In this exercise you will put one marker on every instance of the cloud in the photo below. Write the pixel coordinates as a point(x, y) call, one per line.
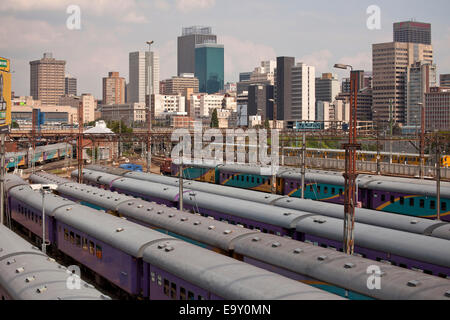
point(319, 59)
point(168, 59)
point(243, 55)
point(359, 61)
point(124, 10)
point(190, 5)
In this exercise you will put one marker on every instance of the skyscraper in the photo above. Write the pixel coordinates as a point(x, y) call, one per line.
point(47, 82)
point(191, 37)
point(143, 76)
point(412, 32)
point(113, 89)
point(283, 87)
point(303, 107)
point(390, 63)
point(327, 87)
point(70, 85)
point(420, 77)
point(260, 101)
point(209, 67)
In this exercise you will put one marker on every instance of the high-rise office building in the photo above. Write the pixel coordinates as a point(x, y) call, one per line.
point(437, 109)
point(303, 107)
point(390, 63)
point(113, 89)
point(70, 85)
point(283, 87)
point(244, 76)
point(444, 80)
point(191, 37)
point(327, 87)
point(178, 85)
point(412, 32)
point(420, 77)
point(47, 79)
point(209, 67)
point(143, 76)
point(260, 101)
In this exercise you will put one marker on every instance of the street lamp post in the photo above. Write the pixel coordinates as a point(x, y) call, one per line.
point(44, 189)
point(422, 141)
point(350, 164)
point(149, 114)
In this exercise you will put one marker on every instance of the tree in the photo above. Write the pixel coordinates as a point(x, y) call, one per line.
point(267, 124)
point(14, 125)
point(214, 119)
point(117, 127)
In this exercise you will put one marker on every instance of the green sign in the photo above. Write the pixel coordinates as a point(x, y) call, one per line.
point(3, 63)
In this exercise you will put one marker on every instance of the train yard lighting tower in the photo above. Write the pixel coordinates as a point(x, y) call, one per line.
point(149, 115)
point(80, 143)
point(44, 189)
point(350, 164)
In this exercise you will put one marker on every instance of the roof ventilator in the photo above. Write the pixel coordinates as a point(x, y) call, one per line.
point(298, 251)
point(322, 258)
point(413, 283)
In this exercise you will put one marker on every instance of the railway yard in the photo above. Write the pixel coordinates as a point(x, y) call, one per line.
point(232, 232)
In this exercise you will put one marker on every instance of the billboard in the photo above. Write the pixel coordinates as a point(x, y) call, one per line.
point(5, 95)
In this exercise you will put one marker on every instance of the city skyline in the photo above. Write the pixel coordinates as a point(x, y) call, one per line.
point(111, 32)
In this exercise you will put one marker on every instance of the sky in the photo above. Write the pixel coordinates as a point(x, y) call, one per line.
point(320, 33)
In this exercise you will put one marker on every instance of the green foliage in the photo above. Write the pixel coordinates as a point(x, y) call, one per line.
point(117, 127)
point(14, 125)
point(214, 119)
point(267, 124)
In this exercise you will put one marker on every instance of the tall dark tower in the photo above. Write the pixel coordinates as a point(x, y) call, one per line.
point(284, 87)
point(191, 37)
point(412, 32)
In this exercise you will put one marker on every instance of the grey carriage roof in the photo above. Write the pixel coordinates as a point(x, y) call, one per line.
point(226, 277)
point(276, 250)
point(24, 271)
point(413, 246)
point(119, 233)
point(12, 180)
point(372, 217)
point(342, 270)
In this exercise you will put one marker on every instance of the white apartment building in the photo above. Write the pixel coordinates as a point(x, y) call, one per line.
point(265, 72)
point(201, 104)
point(303, 93)
point(163, 104)
point(338, 111)
point(143, 75)
point(129, 113)
point(88, 102)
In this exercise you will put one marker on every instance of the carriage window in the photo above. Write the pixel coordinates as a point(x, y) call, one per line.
point(191, 296)
point(383, 197)
point(318, 189)
point(78, 240)
point(402, 200)
point(91, 248)
point(200, 298)
point(72, 238)
point(99, 252)
point(444, 206)
point(310, 188)
point(392, 199)
point(66, 234)
point(269, 182)
point(166, 287)
point(411, 202)
point(85, 244)
point(333, 190)
point(182, 293)
point(248, 179)
point(341, 192)
point(422, 203)
point(258, 181)
point(432, 204)
point(292, 185)
point(173, 291)
point(40, 221)
point(298, 185)
point(253, 179)
point(325, 190)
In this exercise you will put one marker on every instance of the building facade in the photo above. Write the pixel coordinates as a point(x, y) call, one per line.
point(178, 85)
point(444, 80)
point(390, 64)
point(261, 101)
point(437, 109)
point(113, 89)
point(191, 37)
point(412, 32)
point(47, 79)
point(143, 76)
point(164, 104)
point(303, 107)
point(130, 113)
point(70, 85)
point(283, 88)
point(420, 77)
point(209, 67)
